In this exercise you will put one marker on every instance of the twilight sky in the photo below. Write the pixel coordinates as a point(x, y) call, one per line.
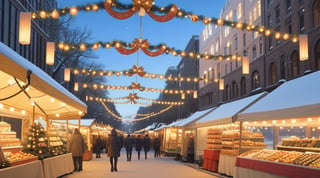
point(174, 33)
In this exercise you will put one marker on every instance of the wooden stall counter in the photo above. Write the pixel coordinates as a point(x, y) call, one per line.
point(31, 169)
point(58, 165)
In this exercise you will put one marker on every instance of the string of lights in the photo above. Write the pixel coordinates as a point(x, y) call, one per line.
point(170, 11)
point(136, 86)
point(131, 72)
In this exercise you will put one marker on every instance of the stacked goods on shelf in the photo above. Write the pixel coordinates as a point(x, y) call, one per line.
point(214, 139)
point(290, 157)
point(20, 158)
point(57, 144)
point(230, 142)
point(8, 138)
point(252, 139)
point(294, 141)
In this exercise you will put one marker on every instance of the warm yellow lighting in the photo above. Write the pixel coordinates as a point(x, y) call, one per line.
point(55, 14)
point(23, 112)
point(63, 104)
point(303, 47)
point(57, 115)
point(1, 106)
point(220, 22)
point(43, 14)
point(76, 86)
point(67, 75)
point(195, 94)
point(309, 119)
point(52, 100)
point(11, 109)
point(25, 28)
point(245, 65)
point(221, 84)
point(50, 53)
point(73, 11)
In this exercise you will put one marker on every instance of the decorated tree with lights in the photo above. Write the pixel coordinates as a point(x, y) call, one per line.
point(36, 142)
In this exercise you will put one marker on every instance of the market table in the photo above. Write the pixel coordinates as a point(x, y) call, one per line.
point(58, 165)
point(31, 169)
point(211, 159)
point(227, 164)
point(252, 168)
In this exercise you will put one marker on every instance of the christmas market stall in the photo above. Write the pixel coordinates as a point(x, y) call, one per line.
point(189, 132)
point(218, 135)
point(28, 94)
point(289, 119)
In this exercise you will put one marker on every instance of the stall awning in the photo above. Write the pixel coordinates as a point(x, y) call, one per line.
point(294, 99)
point(225, 112)
point(53, 100)
point(195, 116)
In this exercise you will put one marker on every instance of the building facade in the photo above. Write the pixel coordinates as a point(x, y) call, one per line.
point(224, 40)
point(188, 67)
point(9, 31)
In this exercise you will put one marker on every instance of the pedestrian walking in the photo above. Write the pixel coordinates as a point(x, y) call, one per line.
point(138, 145)
point(77, 148)
point(146, 145)
point(113, 146)
point(190, 150)
point(98, 145)
point(156, 146)
point(128, 144)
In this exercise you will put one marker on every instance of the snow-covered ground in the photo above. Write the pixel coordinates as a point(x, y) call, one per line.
point(163, 167)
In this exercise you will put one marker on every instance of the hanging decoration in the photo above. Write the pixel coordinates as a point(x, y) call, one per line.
point(135, 70)
point(245, 65)
point(303, 47)
point(67, 75)
point(25, 28)
point(150, 50)
point(133, 98)
point(170, 11)
point(136, 86)
point(50, 53)
point(221, 84)
point(137, 119)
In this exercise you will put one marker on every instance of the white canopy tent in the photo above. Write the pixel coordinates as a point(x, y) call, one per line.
point(42, 98)
point(224, 113)
point(294, 99)
point(195, 116)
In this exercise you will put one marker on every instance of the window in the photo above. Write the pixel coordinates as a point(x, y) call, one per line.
point(254, 53)
point(227, 93)
point(270, 43)
point(283, 67)
point(289, 7)
point(236, 43)
point(273, 73)
point(244, 39)
point(225, 69)
point(269, 21)
point(269, 2)
point(225, 51)
point(316, 13)
point(294, 64)
point(255, 80)
point(231, 66)
point(301, 20)
point(243, 86)
point(278, 14)
point(234, 89)
point(245, 53)
point(260, 47)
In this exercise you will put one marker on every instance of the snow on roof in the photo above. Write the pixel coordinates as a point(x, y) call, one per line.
point(194, 117)
point(296, 98)
point(224, 113)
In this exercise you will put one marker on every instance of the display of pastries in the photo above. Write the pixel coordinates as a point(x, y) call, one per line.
point(12, 157)
point(8, 137)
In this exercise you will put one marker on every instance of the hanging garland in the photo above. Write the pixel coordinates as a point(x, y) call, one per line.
point(133, 99)
point(136, 70)
point(136, 86)
point(150, 50)
point(137, 119)
point(170, 11)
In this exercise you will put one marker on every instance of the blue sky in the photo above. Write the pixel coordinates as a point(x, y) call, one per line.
point(175, 33)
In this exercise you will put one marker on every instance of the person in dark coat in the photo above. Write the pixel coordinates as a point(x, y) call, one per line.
point(146, 145)
point(113, 146)
point(156, 146)
point(98, 145)
point(128, 144)
point(77, 148)
point(138, 145)
point(190, 149)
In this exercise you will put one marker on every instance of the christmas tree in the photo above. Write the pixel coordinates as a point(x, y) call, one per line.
point(36, 142)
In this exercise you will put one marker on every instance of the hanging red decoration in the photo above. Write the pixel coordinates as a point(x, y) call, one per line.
point(115, 14)
point(164, 18)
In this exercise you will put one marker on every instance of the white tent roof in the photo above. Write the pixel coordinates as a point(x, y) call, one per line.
point(294, 99)
point(49, 95)
point(194, 117)
point(225, 112)
point(175, 123)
